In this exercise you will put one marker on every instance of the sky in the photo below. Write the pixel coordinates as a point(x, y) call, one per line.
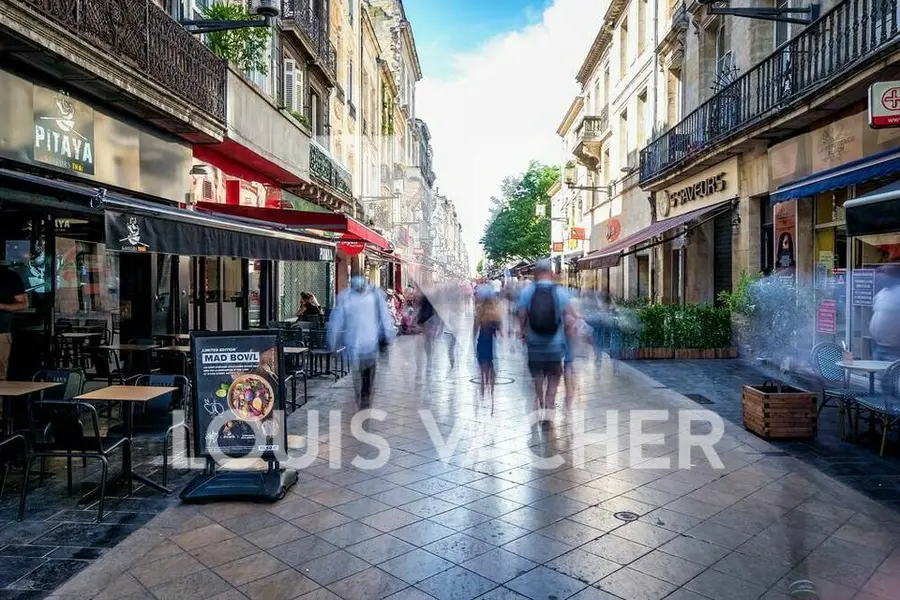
point(499, 76)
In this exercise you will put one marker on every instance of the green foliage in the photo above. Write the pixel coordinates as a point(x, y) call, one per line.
point(299, 116)
point(479, 268)
point(739, 301)
point(514, 232)
point(693, 326)
point(246, 47)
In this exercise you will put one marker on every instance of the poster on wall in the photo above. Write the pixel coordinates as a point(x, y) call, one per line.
point(786, 239)
point(826, 317)
point(863, 290)
point(63, 131)
point(238, 395)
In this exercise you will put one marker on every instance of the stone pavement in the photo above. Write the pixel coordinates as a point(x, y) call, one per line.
point(489, 522)
point(854, 464)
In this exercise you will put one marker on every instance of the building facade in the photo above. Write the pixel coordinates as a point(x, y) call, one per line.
point(771, 162)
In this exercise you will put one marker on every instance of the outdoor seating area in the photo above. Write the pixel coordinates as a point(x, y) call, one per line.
point(83, 418)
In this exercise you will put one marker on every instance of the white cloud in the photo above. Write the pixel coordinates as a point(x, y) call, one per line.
point(501, 106)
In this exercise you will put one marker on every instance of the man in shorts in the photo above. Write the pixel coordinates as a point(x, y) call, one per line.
point(544, 309)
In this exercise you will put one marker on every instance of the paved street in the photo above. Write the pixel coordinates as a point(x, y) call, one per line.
point(488, 523)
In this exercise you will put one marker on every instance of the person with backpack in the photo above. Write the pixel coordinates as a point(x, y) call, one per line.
point(544, 312)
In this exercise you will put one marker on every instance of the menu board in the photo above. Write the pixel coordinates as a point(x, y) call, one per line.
point(826, 317)
point(863, 290)
point(238, 394)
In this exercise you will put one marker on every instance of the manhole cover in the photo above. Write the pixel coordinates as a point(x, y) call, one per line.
point(699, 398)
point(626, 516)
point(497, 381)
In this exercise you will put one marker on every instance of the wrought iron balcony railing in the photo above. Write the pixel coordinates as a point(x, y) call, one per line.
point(140, 34)
point(324, 169)
point(851, 33)
point(315, 30)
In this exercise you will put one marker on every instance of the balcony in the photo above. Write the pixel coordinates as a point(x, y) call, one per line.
point(804, 80)
point(589, 138)
point(128, 53)
point(299, 18)
point(324, 169)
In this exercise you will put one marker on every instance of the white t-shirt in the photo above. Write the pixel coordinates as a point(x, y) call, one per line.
point(885, 323)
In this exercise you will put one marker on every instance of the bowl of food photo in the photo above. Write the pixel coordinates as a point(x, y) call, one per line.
point(251, 397)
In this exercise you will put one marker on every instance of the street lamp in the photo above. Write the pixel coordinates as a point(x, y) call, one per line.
point(267, 9)
point(570, 179)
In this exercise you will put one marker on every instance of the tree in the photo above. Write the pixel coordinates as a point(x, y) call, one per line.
point(246, 47)
point(479, 268)
point(513, 231)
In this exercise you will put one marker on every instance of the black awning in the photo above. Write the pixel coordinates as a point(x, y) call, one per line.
point(137, 225)
point(878, 212)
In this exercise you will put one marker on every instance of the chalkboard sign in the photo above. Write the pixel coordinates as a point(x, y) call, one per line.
point(863, 291)
point(238, 394)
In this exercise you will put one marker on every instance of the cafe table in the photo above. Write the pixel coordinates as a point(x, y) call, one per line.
point(870, 367)
point(19, 389)
point(295, 350)
point(130, 395)
point(182, 349)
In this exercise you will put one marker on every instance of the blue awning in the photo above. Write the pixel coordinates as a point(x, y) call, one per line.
point(877, 212)
point(858, 171)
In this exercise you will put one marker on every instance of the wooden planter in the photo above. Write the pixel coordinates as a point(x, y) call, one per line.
point(775, 410)
point(678, 353)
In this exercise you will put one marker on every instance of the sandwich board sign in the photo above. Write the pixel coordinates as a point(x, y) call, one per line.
point(884, 104)
point(238, 415)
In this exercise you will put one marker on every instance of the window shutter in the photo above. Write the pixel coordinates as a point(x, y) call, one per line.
point(299, 95)
point(290, 84)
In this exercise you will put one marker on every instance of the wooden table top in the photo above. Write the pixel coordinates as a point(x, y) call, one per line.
point(295, 350)
point(21, 388)
point(126, 393)
point(870, 366)
point(184, 349)
point(129, 347)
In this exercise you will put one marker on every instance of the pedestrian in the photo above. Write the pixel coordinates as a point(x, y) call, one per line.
point(487, 326)
point(362, 325)
point(310, 309)
point(544, 311)
point(13, 299)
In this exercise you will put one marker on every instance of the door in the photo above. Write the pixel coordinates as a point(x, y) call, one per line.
point(721, 254)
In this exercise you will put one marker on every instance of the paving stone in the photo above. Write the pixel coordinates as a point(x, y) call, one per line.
point(348, 534)
point(616, 549)
point(499, 565)
point(714, 584)
point(697, 551)
point(371, 584)
point(460, 518)
point(537, 548)
point(583, 566)
point(415, 566)
point(275, 536)
point(320, 521)
point(379, 549)
point(542, 583)
point(456, 583)
point(201, 584)
point(302, 550)
point(458, 547)
point(327, 569)
point(251, 568)
point(422, 532)
point(667, 567)
point(634, 585)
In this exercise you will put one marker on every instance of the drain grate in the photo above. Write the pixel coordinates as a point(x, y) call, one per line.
point(626, 516)
point(699, 398)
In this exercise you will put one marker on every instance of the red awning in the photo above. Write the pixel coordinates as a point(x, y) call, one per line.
point(301, 219)
point(609, 256)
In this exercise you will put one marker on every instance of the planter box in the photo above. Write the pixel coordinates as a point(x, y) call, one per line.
point(780, 411)
point(678, 353)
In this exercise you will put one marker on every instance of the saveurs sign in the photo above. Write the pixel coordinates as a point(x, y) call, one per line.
point(712, 186)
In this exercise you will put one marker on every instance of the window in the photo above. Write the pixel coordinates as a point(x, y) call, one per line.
point(724, 56)
point(673, 96)
point(606, 86)
point(623, 138)
point(642, 25)
point(598, 99)
point(314, 119)
point(350, 81)
point(782, 29)
point(293, 95)
point(623, 46)
point(350, 12)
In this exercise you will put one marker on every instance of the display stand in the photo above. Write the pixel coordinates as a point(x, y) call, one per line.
point(238, 411)
point(258, 486)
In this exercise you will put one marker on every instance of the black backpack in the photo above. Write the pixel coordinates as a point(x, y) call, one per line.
point(543, 317)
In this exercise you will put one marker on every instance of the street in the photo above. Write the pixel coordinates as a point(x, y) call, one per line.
point(484, 515)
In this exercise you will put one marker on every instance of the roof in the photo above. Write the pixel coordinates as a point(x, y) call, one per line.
point(571, 115)
point(601, 42)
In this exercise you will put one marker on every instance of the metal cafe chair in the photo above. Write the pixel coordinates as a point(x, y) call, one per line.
point(65, 435)
point(296, 365)
point(72, 381)
point(10, 448)
point(884, 407)
point(319, 352)
point(824, 358)
point(156, 417)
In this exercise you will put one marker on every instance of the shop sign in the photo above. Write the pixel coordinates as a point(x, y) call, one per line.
point(573, 244)
point(351, 246)
point(826, 317)
point(325, 254)
point(238, 400)
point(710, 187)
point(63, 131)
point(129, 234)
point(862, 293)
point(557, 247)
point(884, 104)
point(613, 229)
point(577, 233)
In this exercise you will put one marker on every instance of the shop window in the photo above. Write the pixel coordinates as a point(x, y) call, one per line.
point(767, 238)
point(830, 260)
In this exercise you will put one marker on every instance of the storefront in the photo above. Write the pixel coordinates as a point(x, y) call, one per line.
point(836, 225)
point(93, 226)
point(687, 252)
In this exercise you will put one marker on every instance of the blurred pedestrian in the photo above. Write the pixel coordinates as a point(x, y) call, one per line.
point(362, 325)
point(486, 328)
point(543, 311)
